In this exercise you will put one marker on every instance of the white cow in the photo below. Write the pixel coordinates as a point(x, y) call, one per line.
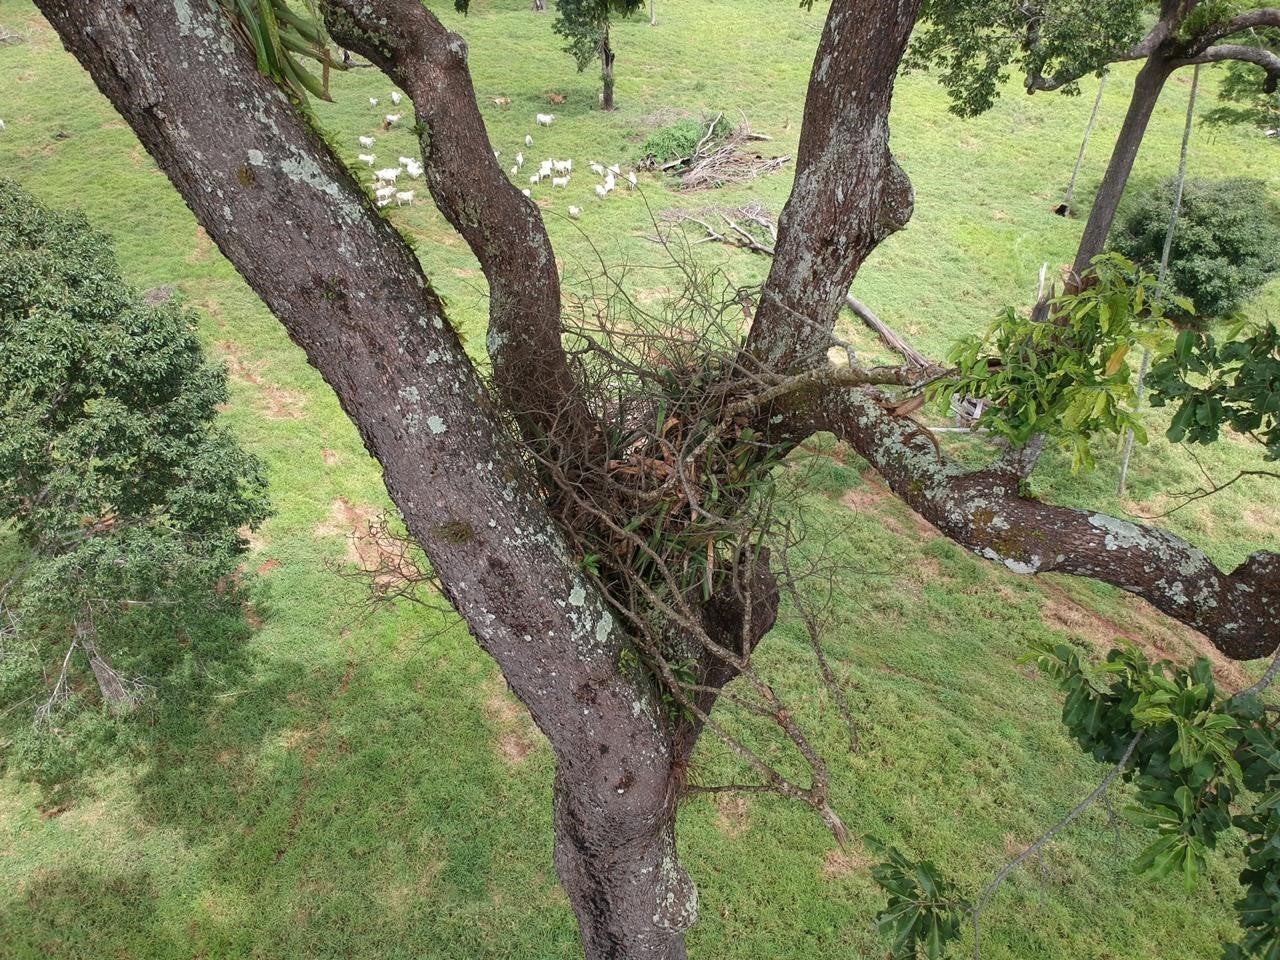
point(395, 97)
point(368, 158)
point(373, 102)
point(545, 119)
point(391, 119)
point(404, 196)
point(559, 181)
point(528, 140)
point(367, 141)
point(575, 213)
point(388, 174)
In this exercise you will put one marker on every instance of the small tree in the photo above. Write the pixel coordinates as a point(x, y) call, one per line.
point(585, 24)
point(1226, 247)
point(1242, 101)
point(1055, 43)
point(125, 493)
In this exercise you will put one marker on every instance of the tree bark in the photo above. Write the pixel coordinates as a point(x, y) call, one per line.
point(1146, 93)
point(849, 192)
point(606, 71)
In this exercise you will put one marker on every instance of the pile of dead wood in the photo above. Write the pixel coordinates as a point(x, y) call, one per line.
point(721, 159)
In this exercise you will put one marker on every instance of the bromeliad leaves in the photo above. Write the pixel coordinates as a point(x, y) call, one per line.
point(282, 38)
point(1066, 375)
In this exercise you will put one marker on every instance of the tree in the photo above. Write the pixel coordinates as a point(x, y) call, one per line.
point(585, 24)
point(581, 538)
point(1055, 43)
point(1226, 247)
point(125, 492)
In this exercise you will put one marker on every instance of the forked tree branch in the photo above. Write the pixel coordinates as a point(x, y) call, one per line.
point(503, 228)
point(263, 184)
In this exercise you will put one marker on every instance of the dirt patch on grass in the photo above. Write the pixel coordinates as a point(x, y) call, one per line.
point(202, 246)
point(840, 863)
point(330, 457)
point(516, 735)
point(369, 546)
point(281, 404)
point(733, 814)
point(1263, 520)
point(268, 566)
point(873, 497)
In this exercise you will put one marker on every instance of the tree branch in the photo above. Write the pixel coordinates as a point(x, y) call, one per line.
point(503, 228)
point(1261, 56)
point(849, 193)
point(984, 511)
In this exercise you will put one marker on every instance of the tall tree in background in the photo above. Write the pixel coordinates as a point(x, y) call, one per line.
point(1055, 43)
point(585, 24)
point(606, 547)
point(126, 494)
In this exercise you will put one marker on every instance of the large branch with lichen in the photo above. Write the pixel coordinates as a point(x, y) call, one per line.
point(849, 192)
point(987, 512)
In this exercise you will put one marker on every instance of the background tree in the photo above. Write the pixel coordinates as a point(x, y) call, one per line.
point(604, 546)
point(126, 494)
point(1241, 100)
point(1055, 43)
point(585, 24)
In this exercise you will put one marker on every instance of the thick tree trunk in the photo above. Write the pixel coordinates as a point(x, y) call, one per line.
point(1146, 92)
point(606, 72)
point(632, 898)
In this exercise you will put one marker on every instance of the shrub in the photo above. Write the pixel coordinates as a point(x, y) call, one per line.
point(677, 140)
point(1225, 247)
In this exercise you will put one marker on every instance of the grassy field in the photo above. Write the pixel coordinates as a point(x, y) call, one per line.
point(363, 787)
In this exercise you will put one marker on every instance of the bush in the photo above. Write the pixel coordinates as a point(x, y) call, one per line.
point(1225, 247)
point(677, 140)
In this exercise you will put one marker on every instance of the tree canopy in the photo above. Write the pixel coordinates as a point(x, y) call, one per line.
point(128, 495)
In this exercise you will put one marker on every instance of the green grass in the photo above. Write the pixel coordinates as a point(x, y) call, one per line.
point(347, 795)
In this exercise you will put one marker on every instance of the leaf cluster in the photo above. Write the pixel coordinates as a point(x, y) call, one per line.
point(1235, 381)
point(1066, 375)
point(972, 46)
point(1205, 763)
point(923, 913)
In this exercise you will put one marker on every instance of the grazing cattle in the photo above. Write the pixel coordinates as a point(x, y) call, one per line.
point(559, 181)
point(528, 140)
point(545, 119)
point(373, 102)
point(404, 196)
point(388, 174)
point(367, 141)
point(391, 119)
point(368, 158)
point(395, 98)
point(575, 213)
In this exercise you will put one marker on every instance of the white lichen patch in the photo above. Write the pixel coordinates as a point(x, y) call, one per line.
point(435, 425)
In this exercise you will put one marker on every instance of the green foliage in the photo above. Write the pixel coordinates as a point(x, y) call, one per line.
point(1203, 764)
point(677, 140)
point(126, 494)
point(585, 25)
point(1236, 382)
point(1225, 248)
point(1066, 376)
point(972, 45)
point(1241, 98)
point(281, 38)
point(924, 913)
